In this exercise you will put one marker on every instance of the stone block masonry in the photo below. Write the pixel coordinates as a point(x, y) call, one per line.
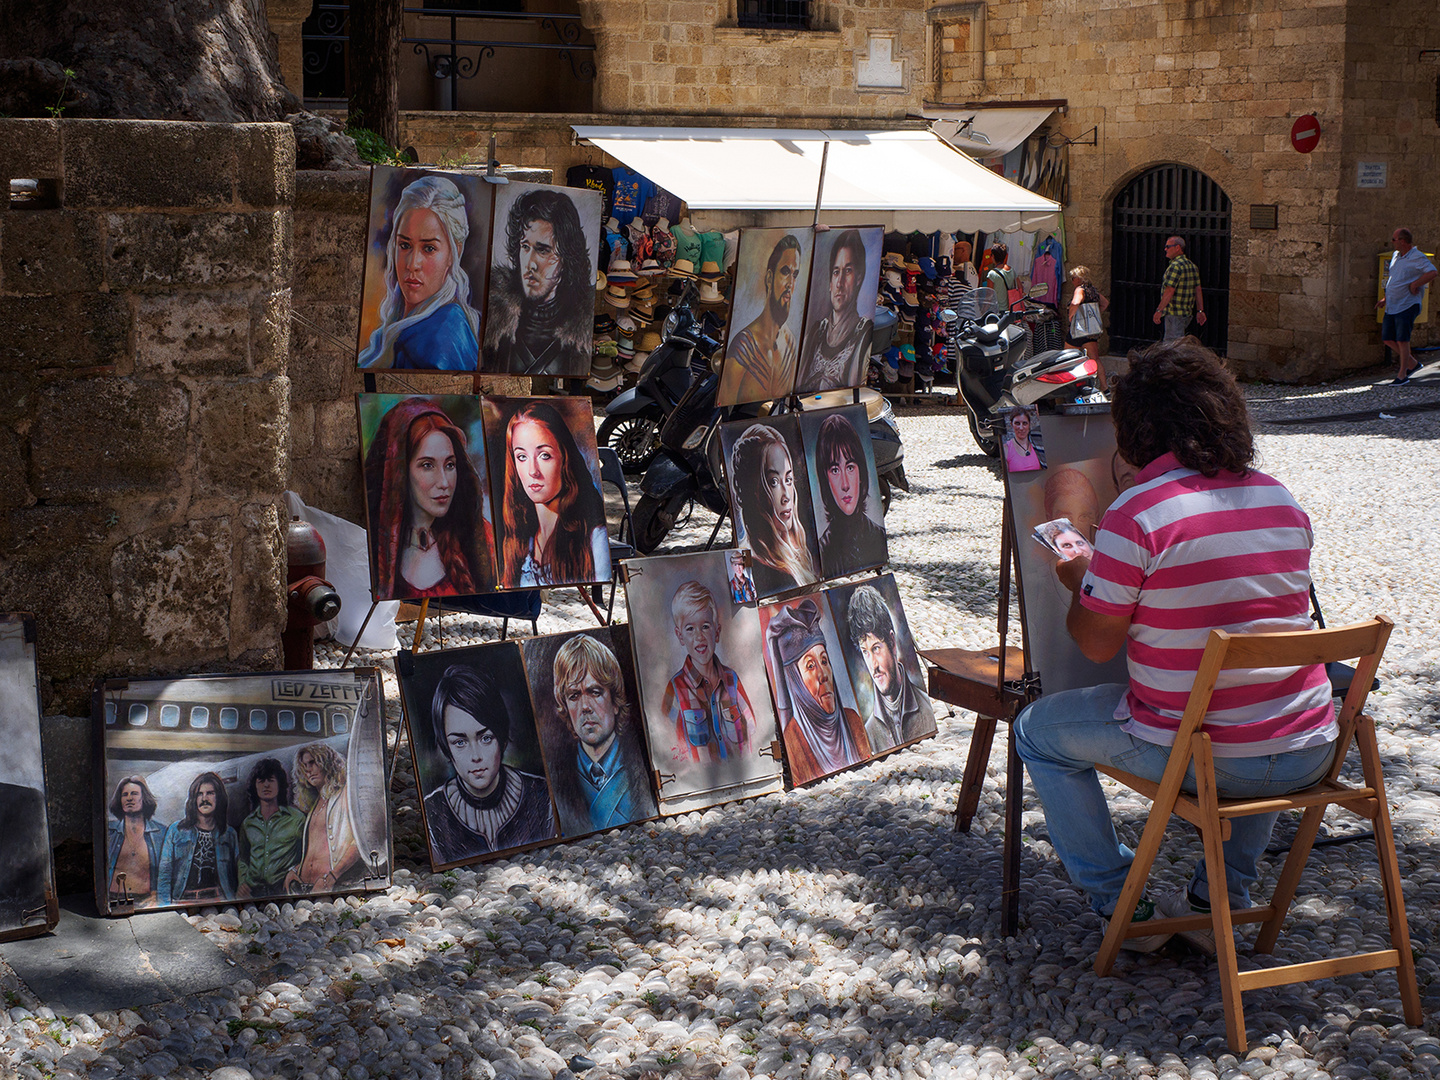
point(144, 395)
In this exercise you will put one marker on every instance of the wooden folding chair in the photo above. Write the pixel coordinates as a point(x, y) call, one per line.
point(1211, 815)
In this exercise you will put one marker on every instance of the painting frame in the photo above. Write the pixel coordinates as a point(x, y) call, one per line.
point(767, 313)
point(853, 540)
point(840, 304)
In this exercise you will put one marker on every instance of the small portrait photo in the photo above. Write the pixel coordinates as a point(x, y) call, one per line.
point(1063, 538)
point(425, 255)
point(767, 314)
point(1022, 444)
point(546, 247)
point(770, 497)
point(882, 663)
point(545, 491)
point(427, 503)
point(708, 717)
point(28, 904)
point(582, 686)
point(840, 311)
point(476, 752)
point(845, 490)
point(814, 700)
point(742, 585)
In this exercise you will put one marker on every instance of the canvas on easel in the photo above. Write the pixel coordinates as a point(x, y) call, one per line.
point(1083, 475)
point(28, 903)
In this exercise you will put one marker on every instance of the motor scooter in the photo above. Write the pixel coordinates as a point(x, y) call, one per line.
point(994, 372)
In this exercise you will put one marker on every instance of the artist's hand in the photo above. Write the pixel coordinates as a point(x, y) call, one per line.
point(1415, 288)
point(1072, 573)
point(1380, 303)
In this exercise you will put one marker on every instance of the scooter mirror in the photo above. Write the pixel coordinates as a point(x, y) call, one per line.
point(717, 360)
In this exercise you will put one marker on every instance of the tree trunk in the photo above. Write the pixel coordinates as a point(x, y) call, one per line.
point(373, 67)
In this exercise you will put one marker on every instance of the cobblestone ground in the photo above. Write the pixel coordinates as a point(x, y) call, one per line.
point(846, 930)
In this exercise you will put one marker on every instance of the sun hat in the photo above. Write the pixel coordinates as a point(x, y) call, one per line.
point(617, 297)
point(710, 271)
point(651, 268)
point(683, 268)
point(620, 272)
point(710, 293)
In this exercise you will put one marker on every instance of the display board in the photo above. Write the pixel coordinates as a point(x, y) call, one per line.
point(211, 789)
point(28, 904)
point(845, 490)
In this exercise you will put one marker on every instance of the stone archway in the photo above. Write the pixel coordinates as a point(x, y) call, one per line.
point(1167, 200)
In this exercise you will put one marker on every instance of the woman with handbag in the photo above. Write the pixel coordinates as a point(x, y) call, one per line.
point(1002, 279)
point(1085, 307)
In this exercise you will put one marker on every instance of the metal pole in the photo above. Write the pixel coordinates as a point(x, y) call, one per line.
point(820, 188)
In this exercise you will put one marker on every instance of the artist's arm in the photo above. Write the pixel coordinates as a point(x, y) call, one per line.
point(1099, 636)
point(1199, 305)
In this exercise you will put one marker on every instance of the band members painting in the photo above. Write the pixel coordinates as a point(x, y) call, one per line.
point(330, 857)
point(840, 315)
point(199, 859)
point(546, 479)
point(487, 806)
point(882, 663)
point(133, 841)
point(428, 534)
point(771, 494)
point(272, 832)
point(542, 289)
point(771, 271)
point(598, 771)
point(427, 315)
point(841, 464)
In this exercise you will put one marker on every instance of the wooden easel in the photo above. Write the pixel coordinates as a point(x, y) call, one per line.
point(977, 681)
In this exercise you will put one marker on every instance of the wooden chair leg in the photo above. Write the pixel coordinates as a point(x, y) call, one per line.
point(1221, 925)
point(1284, 894)
point(973, 779)
point(1390, 872)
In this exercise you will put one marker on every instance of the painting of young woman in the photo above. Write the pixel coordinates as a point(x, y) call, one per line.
point(425, 264)
point(545, 483)
point(845, 489)
point(428, 511)
point(476, 753)
point(814, 701)
point(770, 499)
point(582, 686)
point(707, 711)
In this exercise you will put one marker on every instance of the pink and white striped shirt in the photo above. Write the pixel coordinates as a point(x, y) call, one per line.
point(1181, 554)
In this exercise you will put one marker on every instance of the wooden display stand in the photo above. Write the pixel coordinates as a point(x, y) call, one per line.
point(978, 681)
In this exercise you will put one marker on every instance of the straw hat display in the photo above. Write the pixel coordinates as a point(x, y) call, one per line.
point(620, 272)
point(683, 268)
point(710, 292)
point(617, 297)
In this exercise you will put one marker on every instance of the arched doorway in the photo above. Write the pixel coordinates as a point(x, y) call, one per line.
point(1168, 200)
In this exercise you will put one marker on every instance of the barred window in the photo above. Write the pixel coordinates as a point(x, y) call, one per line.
point(773, 14)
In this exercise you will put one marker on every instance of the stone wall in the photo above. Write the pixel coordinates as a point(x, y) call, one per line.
point(144, 411)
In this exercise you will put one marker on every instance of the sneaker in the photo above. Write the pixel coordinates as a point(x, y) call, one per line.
point(1400, 382)
point(1144, 912)
point(1184, 902)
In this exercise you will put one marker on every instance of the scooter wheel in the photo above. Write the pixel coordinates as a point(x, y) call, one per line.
point(653, 519)
point(634, 438)
point(983, 439)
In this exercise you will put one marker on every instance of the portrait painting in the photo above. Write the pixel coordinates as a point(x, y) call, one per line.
point(822, 730)
point(546, 245)
point(426, 244)
point(220, 789)
point(549, 514)
point(476, 752)
point(1063, 539)
point(880, 658)
point(1022, 444)
point(28, 901)
point(770, 502)
point(1083, 476)
point(840, 309)
point(767, 314)
point(582, 687)
point(845, 490)
point(708, 718)
point(426, 497)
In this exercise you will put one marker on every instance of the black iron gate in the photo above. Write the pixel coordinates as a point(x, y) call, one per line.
point(1169, 200)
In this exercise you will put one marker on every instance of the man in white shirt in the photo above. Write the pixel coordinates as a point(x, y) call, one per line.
point(1408, 274)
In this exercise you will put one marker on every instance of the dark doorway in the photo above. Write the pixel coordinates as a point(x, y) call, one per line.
point(1169, 200)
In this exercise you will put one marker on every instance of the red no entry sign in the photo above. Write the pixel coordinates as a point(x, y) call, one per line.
point(1305, 133)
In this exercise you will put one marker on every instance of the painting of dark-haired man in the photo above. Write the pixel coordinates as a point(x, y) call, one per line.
point(879, 646)
point(133, 840)
point(597, 765)
point(840, 314)
point(542, 284)
point(273, 832)
point(199, 861)
point(772, 266)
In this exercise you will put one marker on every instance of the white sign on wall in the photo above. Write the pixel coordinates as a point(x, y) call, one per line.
point(878, 69)
point(1370, 174)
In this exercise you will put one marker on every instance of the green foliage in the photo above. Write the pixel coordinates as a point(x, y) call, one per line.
point(58, 109)
point(372, 148)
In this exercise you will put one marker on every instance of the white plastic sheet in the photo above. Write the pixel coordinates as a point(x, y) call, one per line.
point(347, 567)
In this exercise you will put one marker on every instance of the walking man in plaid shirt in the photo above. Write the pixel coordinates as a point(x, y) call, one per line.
point(1181, 299)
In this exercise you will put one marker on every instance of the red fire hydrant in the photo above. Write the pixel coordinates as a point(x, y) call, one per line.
point(312, 599)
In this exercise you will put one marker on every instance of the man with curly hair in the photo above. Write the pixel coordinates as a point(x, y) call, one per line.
point(1201, 541)
point(540, 318)
point(330, 857)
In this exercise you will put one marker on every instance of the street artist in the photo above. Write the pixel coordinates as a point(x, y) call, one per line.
point(1201, 541)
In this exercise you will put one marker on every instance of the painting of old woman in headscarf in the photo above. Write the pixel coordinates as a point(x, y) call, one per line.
point(428, 509)
point(424, 270)
point(546, 247)
point(814, 701)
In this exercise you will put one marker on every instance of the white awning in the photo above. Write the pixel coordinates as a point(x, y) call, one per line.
point(992, 131)
point(902, 179)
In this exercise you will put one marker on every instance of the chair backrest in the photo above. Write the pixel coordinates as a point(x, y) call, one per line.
point(613, 473)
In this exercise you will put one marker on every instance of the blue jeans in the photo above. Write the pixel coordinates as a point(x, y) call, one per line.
point(1061, 737)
